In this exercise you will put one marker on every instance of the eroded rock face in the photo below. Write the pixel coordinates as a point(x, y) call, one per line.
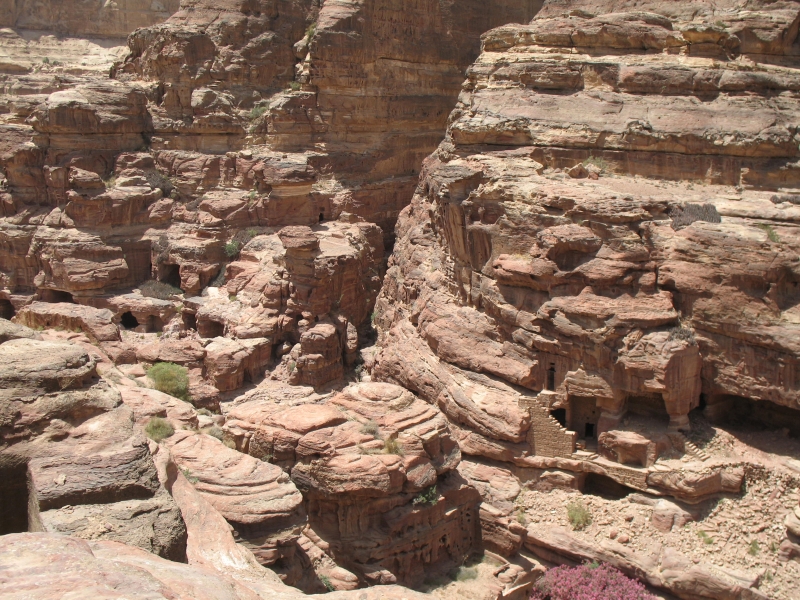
point(72, 458)
point(376, 466)
point(603, 243)
point(50, 566)
point(584, 291)
point(102, 20)
point(256, 498)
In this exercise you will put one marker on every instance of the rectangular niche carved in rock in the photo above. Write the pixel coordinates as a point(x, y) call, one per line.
point(17, 511)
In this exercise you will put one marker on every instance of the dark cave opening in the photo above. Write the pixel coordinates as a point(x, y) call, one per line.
point(170, 274)
point(752, 414)
point(189, 320)
point(14, 498)
point(560, 415)
point(154, 324)
point(128, 321)
point(7, 310)
point(551, 378)
point(210, 329)
point(56, 296)
point(605, 487)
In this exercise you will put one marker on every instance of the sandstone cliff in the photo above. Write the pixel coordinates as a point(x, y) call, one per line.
point(591, 254)
point(591, 295)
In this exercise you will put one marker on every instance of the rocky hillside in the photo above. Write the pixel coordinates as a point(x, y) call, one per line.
point(268, 311)
point(604, 245)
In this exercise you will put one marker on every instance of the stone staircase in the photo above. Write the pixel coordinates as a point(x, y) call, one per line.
point(681, 442)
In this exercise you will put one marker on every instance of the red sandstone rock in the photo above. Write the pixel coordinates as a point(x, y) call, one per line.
point(97, 324)
point(257, 498)
point(627, 447)
point(368, 451)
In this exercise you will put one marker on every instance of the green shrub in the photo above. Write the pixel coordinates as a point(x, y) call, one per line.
point(171, 379)
point(294, 86)
point(204, 411)
point(771, 235)
point(214, 431)
point(579, 516)
point(257, 112)
point(708, 540)
point(682, 333)
point(429, 496)
point(466, 573)
point(158, 429)
point(189, 477)
point(754, 548)
point(598, 162)
point(232, 249)
point(159, 289)
point(311, 30)
point(327, 583)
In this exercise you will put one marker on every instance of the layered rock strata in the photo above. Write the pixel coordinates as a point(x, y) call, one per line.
point(72, 460)
point(591, 254)
point(221, 123)
point(376, 466)
point(585, 291)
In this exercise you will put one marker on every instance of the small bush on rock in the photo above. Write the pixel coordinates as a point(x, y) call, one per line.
point(158, 429)
point(326, 581)
point(588, 582)
point(771, 235)
point(371, 428)
point(258, 111)
point(466, 574)
point(684, 334)
point(171, 379)
point(159, 289)
point(579, 516)
point(214, 431)
point(429, 496)
point(232, 249)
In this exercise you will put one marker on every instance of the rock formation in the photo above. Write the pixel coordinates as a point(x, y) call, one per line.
point(586, 296)
point(72, 460)
point(590, 254)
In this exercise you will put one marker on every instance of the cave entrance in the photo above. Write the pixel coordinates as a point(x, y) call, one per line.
point(752, 415)
point(605, 487)
point(128, 321)
point(210, 329)
point(650, 406)
point(170, 274)
point(189, 320)
point(7, 310)
point(560, 415)
point(55, 296)
point(583, 416)
point(14, 498)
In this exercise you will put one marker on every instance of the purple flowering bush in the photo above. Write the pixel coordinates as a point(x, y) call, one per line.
point(588, 582)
